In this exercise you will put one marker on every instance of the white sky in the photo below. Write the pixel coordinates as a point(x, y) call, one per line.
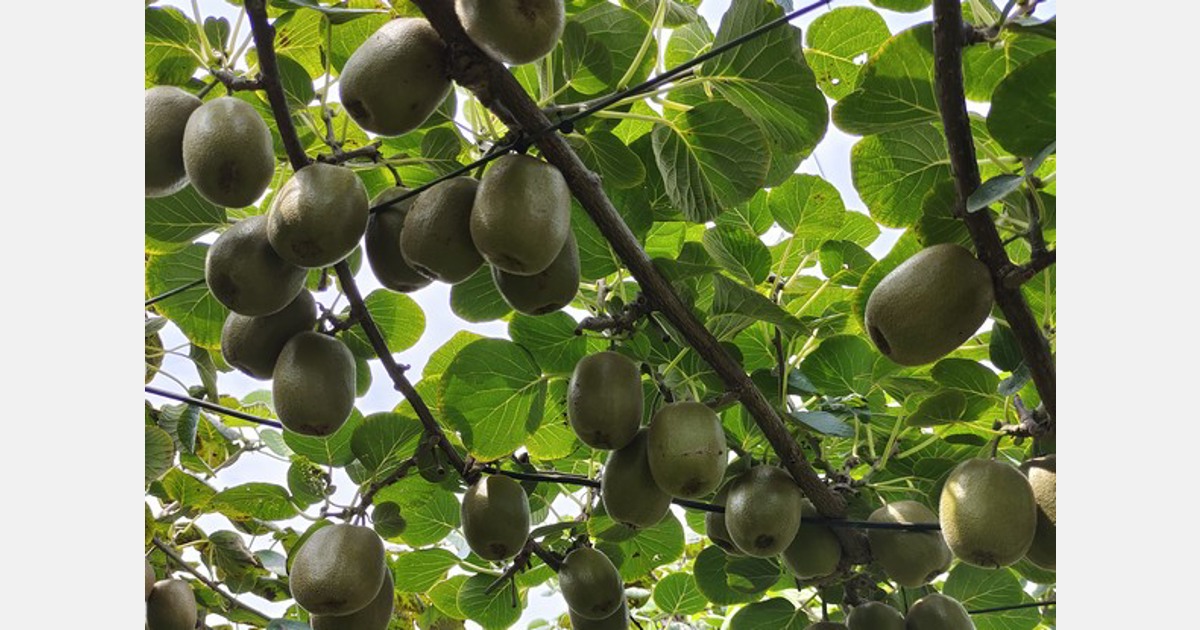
point(831, 159)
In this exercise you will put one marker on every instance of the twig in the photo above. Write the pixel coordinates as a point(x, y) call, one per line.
point(234, 83)
point(264, 36)
point(948, 43)
point(551, 559)
point(371, 152)
point(178, 559)
point(1016, 276)
point(623, 322)
point(519, 563)
point(225, 411)
point(369, 495)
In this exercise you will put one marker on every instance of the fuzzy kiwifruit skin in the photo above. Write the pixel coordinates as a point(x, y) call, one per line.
point(313, 384)
point(619, 620)
point(826, 625)
point(167, 111)
point(604, 400)
point(546, 291)
point(815, 551)
point(171, 606)
point(929, 305)
point(988, 513)
point(522, 214)
point(910, 558)
point(382, 243)
point(630, 495)
point(938, 612)
point(252, 344)
point(495, 517)
point(228, 152)
point(762, 511)
point(513, 31)
point(375, 616)
point(436, 240)
point(338, 570)
point(150, 578)
point(246, 274)
point(396, 79)
point(714, 523)
point(875, 616)
point(318, 216)
point(1042, 474)
point(687, 450)
point(590, 584)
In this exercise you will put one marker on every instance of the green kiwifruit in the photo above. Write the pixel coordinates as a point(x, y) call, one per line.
point(382, 243)
point(393, 82)
point(436, 240)
point(338, 570)
point(938, 612)
point(627, 488)
point(313, 384)
point(150, 578)
point(815, 551)
point(687, 449)
point(245, 273)
point(762, 511)
point(171, 606)
point(374, 616)
point(522, 214)
point(619, 620)
point(228, 152)
point(167, 111)
point(495, 517)
point(546, 291)
point(929, 305)
point(604, 400)
point(513, 31)
point(910, 558)
point(714, 523)
point(988, 513)
point(875, 616)
point(1041, 473)
point(590, 584)
point(252, 344)
point(318, 216)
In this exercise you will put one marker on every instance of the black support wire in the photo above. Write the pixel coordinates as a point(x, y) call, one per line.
point(984, 611)
point(644, 87)
point(225, 411)
point(176, 291)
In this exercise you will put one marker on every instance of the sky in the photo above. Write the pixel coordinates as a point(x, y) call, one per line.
point(831, 160)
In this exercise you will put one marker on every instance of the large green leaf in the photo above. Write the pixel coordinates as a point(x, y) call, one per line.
point(768, 79)
point(170, 42)
point(651, 548)
point(431, 510)
point(551, 339)
point(417, 571)
point(331, 450)
point(776, 613)
point(496, 392)
point(836, 39)
point(160, 453)
point(605, 154)
point(711, 157)
point(807, 206)
point(842, 365)
point(444, 596)
point(384, 440)
point(677, 594)
point(600, 44)
point(903, 6)
point(174, 221)
point(399, 318)
point(740, 252)
point(554, 438)
point(896, 88)
point(984, 66)
point(977, 589)
point(1023, 106)
point(441, 358)
point(197, 313)
point(264, 501)
point(493, 611)
point(893, 172)
point(476, 299)
point(735, 307)
point(726, 580)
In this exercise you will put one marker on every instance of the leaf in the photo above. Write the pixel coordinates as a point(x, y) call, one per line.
point(742, 253)
point(1022, 115)
point(993, 190)
point(600, 43)
point(841, 365)
point(807, 206)
point(984, 66)
point(476, 299)
point(896, 88)
point(777, 613)
point(551, 339)
point(307, 482)
point(178, 219)
point(197, 313)
point(966, 375)
point(160, 453)
point(297, 86)
point(331, 450)
point(383, 441)
point(768, 79)
point(417, 571)
point(836, 40)
point(726, 580)
point(943, 407)
point(336, 15)
point(170, 47)
point(731, 298)
point(978, 589)
point(893, 171)
point(444, 596)
point(431, 511)
point(605, 154)
point(711, 157)
point(216, 31)
point(185, 489)
point(494, 611)
point(496, 389)
point(651, 548)
point(300, 36)
point(400, 320)
point(554, 438)
point(903, 6)
point(677, 594)
point(388, 521)
point(264, 501)
point(823, 422)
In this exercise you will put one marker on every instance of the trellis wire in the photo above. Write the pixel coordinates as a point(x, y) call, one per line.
point(176, 291)
point(226, 411)
point(644, 87)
